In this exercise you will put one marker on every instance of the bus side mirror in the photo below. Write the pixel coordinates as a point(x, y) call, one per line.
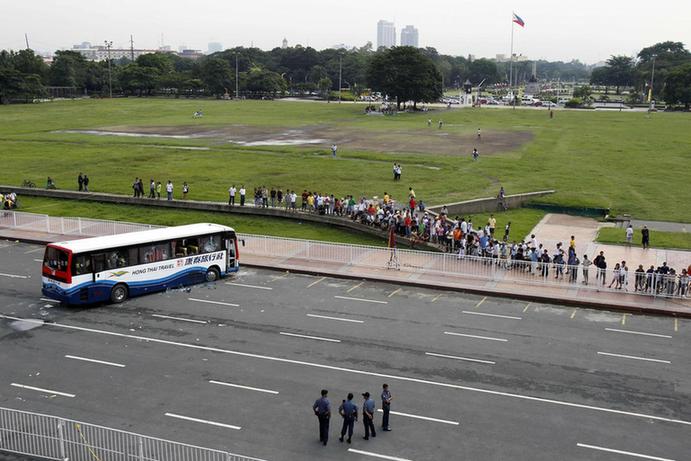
point(243, 242)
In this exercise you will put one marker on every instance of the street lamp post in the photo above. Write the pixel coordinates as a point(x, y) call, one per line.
point(652, 86)
point(109, 43)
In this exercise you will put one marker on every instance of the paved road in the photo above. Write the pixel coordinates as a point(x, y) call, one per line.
point(495, 379)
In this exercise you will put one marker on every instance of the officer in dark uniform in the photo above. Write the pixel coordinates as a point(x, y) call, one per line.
point(348, 410)
point(386, 407)
point(322, 409)
point(368, 416)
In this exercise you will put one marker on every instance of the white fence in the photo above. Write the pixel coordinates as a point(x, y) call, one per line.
point(61, 439)
point(467, 267)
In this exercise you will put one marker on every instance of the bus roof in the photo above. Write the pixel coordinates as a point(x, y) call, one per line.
point(137, 238)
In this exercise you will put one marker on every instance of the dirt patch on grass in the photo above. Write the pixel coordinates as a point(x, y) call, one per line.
point(431, 141)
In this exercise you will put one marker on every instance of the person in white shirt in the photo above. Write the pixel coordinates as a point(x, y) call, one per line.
point(242, 195)
point(629, 234)
point(231, 195)
point(169, 190)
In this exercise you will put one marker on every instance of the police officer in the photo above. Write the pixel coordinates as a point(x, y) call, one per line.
point(368, 416)
point(322, 410)
point(348, 410)
point(386, 407)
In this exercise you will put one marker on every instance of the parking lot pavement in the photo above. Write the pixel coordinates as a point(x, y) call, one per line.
point(484, 377)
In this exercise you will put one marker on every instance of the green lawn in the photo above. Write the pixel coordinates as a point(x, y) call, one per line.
point(658, 239)
point(241, 223)
point(628, 162)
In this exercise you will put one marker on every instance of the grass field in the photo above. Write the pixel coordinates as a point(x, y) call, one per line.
point(628, 162)
point(658, 239)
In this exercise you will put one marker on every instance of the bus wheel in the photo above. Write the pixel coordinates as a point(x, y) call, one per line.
point(119, 293)
point(212, 274)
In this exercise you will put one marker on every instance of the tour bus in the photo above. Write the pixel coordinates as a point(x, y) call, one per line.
point(115, 267)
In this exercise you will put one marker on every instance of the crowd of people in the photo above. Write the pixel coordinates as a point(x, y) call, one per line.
point(8, 200)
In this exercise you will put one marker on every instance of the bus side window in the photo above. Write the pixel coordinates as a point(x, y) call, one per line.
point(133, 256)
point(82, 264)
point(99, 262)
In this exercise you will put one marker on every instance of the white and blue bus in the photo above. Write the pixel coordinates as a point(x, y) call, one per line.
point(115, 267)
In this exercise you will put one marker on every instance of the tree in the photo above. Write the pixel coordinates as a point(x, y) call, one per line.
point(678, 88)
point(406, 74)
point(68, 69)
point(582, 92)
point(265, 82)
point(666, 56)
point(324, 86)
point(11, 81)
point(216, 75)
point(620, 71)
point(483, 69)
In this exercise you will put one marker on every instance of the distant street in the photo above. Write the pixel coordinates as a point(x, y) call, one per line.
point(236, 365)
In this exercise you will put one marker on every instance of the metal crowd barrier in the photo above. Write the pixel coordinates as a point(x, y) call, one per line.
point(62, 439)
point(499, 270)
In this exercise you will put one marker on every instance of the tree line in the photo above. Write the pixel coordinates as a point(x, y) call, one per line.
point(416, 74)
point(672, 73)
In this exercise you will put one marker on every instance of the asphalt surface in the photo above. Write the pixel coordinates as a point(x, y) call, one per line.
point(476, 378)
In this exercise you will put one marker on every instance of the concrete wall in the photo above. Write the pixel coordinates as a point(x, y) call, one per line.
point(344, 223)
point(488, 205)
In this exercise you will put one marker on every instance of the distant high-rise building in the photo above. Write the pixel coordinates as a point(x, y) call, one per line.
point(410, 36)
point(386, 34)
point(214, 47)
point(284, 45)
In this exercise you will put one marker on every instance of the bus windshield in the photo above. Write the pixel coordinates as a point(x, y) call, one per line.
point(56, 263)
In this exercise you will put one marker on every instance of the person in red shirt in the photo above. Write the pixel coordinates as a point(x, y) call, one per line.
point(412, 204)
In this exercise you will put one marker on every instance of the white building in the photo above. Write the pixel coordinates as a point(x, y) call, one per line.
point(386, 34)
point(410, 36)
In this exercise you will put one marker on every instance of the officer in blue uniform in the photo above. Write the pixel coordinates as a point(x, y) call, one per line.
point(386, 407)
point(348, 410)
point(368, 416)
point(322, 409)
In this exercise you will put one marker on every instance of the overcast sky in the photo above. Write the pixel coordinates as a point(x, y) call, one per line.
point(589, 30)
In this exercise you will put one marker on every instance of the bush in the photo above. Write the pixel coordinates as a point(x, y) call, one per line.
point(574, 103)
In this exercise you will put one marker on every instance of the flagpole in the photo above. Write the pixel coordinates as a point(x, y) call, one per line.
point(513, 96)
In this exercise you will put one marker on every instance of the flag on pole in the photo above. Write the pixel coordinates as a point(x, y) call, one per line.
point(517, 19)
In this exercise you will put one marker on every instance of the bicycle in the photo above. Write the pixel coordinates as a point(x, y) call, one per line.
point(28, 183)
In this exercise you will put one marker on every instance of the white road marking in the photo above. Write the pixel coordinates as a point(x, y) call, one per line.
point(13, 276)
point(221, 383)
point(248, 286)
point(354, 287)
point(334, 318)
point(196, 420)
point(633, 357)
point(112, 364)
point(397, 290)
point(637, 333)
point(318, 338)
point(460, 358)
point(47, 391)
point(376, 455)
point(620, 452)
point(362, 299)
point(350, 370)
point(38, 260)
point(475, 336)
point(178, 318)
point(48, 300)
point(315, 282)
point(34, 251)
point(208, 301)
point(6, 246)
point(480, 303)
point(493, 315)
point(426, 418)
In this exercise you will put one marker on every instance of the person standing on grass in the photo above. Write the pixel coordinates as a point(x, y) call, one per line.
point(80, 182)
point(243, 192)
point(334, 148)
point(476, 154)
point(185, 190)
point(479, 136)
point(231, 194)
point(169, 189)
point(135, 185)
point(629, 234)
point(86, 183)
point(152, 188)
point(159, 187)
point(645, 237)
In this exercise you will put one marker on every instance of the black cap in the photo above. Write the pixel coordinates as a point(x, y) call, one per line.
point(366, 395)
